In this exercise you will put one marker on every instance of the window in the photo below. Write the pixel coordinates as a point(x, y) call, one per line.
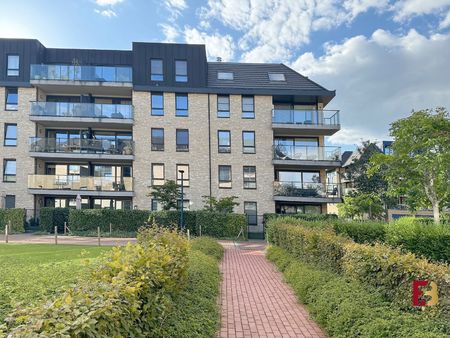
point(248, 142)
point(13, 65)
point(182, 140)
point(156, 70)
point(157, 139)
point(181, 105)
point(156, 205)
point(224, 137)
point(223, 106)
point(185, 169)
point(157, 104)
point(249, 177)
point(224, 176)
point(181, 71)
point(157, 174)
point(225, 76)
point(248, 107)
point(186, 204)
point(12, 99)
point(276, 77)
point(10, 201)
point(251, 212)
point(9, 171)
point(10, 135)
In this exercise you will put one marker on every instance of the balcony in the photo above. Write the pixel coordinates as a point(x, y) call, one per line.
point(101, 80)
point(66, 114)
point(318, 157)
point(307, 192)
point(81, 149)
point(72, 185)
point(309, 122)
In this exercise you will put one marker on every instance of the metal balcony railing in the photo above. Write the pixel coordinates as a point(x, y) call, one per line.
point(306, 153)
point(306, 189)
point(93, 110)
point(307, 117)
point(81, 73)
point(89, 146)
point(76, 182)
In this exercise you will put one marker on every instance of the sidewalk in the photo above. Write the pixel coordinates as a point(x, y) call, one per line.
point(30, 238)
point(255, 302)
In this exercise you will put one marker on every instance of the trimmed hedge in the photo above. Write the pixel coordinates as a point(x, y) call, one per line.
point(121, 220)
point(17, 218)
point(361, 232)
point(51, 217)
point(305, 217)
point(208, 246)
point(389, 270)
point(347, 308)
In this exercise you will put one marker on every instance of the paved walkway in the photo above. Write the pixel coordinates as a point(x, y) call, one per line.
point(255, 302)
point(30, 238)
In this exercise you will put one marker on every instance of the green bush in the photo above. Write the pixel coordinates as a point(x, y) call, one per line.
point(429, 240)
point(121, 220)
point(208, 246)
point(51, 217)
point(305, 217)
point(361, 232)
point(17, 218)
point(347, 308)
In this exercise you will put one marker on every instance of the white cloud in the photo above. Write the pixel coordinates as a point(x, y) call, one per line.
point(380, 79)
point(175, 7)
point(108, 2)
point(216, 45)
point(109, 13)
point(405, 9)
point(445, 22)
point(170, 32)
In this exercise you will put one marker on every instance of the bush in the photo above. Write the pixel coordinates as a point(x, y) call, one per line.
point(361, 232)
point(347, 308)
point(305, 217)
point(51, 217)
point(17, 218)
point(208, 246)
point(121, 220)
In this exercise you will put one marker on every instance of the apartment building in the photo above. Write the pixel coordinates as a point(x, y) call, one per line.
point(108, 125)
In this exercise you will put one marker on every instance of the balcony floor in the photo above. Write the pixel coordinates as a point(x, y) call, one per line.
point(81, 87)
point(83, 122)
point(288, 129)
point(70, 192)
point(307, 163)
point(307, 199)
point(82, 156)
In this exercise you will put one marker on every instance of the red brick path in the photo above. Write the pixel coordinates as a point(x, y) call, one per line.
point(255, 302)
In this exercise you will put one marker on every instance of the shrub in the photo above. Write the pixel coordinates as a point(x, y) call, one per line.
point(208, 246)
point(121, 220)
point(361, 232)
point(51, 217)
point(305, 217)
point(429, 240)
point(15, 216)
point(347, 308)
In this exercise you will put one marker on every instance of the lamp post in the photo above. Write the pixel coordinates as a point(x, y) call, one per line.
point(182, 200)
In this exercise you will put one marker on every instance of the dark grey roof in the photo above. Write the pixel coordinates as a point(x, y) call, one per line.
point(345, 156)
point(255, 75)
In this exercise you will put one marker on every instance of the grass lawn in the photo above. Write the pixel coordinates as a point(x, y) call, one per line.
point(29, 273)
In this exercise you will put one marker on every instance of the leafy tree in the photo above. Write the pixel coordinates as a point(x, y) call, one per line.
point(359, 204)
point(419, 167)
point(167, 194)
point(224, 205)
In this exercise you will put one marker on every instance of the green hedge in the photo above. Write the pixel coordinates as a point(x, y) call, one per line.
point(306, 217)
point(361, 232)
point(208, 246)
point(390, 270)
point(347, 308)
point(17, 218)
point(51, 217)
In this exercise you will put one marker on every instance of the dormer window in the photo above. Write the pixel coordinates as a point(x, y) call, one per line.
point(225, 76)
point(276, 77)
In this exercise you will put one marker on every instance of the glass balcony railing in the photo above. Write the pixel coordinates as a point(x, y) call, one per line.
point(306, 189)
point(76, 182)
point(85, 146)
point(306, 153)
point(81, 73)
point(70, 109)
point(307, 117)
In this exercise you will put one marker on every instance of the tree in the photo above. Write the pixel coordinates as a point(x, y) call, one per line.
point(224, 205)
point(167, 194)
point(359, 204)
point(419, 167)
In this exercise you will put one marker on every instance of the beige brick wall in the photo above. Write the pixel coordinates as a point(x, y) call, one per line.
point(24, 163)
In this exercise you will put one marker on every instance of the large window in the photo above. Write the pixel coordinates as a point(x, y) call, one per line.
point(248, 142)
point(283, 208)
point(10, 201)
point(249, 177)
point(248, 107)
point(182, 139)
point(157, 139)
point(9, 171)
point(157, 173)
point(225, 176)
point(10, 135)
point(13, 65)
point(156, 69)
point(12, 99)
point(181, 105)
point(224, 137)
point(157, 104)
point(297, 148)
point(223, 106)
point(185, 169)
point(251, 212)
point(181, 71)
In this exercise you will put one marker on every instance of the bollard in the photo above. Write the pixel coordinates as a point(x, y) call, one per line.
point(98, 235)
point(56, 235)
point(6, 233)
point(110, 229)
point(65, 227)
point(188, 235)
point(200, 230)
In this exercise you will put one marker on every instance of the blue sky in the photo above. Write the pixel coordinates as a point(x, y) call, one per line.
point(384, 58)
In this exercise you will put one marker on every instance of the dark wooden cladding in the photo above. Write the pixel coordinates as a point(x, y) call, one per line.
point(88, 57)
